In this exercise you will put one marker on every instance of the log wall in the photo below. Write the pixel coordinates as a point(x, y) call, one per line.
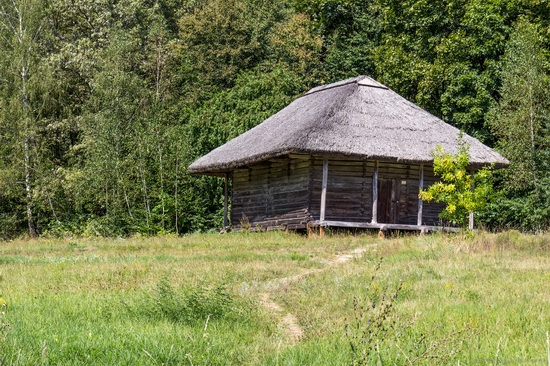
point(349, 191)
point(271, 195)
point(349, 188)
point(286, 193)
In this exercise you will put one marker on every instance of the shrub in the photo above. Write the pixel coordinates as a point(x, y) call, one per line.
point(461, 192)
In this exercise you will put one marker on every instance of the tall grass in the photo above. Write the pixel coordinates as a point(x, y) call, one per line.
point(195, 300)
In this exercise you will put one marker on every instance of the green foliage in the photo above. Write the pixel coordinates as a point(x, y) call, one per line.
point(445, 55)
point(461, 192)
point(350, 31)
point(521, 119)
point(222, 38)
point(530, 212)
point(119, 97)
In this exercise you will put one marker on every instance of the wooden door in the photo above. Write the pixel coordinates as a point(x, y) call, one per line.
point(388, 201)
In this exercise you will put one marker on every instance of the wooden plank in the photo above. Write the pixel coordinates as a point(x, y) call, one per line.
point(366, 225)
point(420, 202)
point(375, 194)
point(299, 156)
point(225, 203)
point(471, 214)
point(324, 190)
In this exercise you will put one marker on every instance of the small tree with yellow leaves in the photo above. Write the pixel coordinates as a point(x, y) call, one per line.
point(460, 191)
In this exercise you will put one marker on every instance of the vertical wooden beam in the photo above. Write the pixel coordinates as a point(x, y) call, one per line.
point(471, 216)
point(375, 194)
point(225, 200)
point(420, 202)
point(323, 197)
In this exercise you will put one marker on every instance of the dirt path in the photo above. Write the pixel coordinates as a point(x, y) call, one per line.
point(288, 321)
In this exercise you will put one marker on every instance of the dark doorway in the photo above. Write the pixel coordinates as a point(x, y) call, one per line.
point(388, 201)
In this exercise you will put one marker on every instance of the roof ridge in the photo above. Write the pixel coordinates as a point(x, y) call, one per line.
point(361, 80)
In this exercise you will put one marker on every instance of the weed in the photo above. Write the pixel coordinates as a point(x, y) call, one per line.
point(245, 224)
point(377, 332)
point(188, 306)
point(373, 320)
point(441, 350)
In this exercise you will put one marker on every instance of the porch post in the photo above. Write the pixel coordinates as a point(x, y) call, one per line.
point(420, 202)
point(375, 194)
point(471, 216)
point(323, 197)
point(225, 200)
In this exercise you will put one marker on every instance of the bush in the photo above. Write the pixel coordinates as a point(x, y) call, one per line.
point(461, 192)
point(529, 212)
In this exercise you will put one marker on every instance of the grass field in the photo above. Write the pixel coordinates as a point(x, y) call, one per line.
point(233, 300)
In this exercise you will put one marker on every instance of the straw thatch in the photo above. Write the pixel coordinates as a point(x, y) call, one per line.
point(357, 118)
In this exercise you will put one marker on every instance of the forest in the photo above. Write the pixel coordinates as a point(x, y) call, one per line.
point(105, 103)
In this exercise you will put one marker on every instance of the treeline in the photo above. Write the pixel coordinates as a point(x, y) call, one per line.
point(104, 103)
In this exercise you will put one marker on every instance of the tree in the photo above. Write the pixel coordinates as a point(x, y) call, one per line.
point(521, 119)
point(461, 192)
point(21, 28)
point(444, 55)
point(350, 31)
point(222, 38)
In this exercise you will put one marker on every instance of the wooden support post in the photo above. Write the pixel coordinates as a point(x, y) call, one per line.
point(375, 194)
point(225, 200)
point(471, 216)
point(323, 197)
point(420, 202)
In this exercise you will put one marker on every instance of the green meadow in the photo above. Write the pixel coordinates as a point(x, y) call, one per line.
point(276, 299)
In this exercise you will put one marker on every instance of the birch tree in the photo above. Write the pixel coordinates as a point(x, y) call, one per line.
point(21, 27)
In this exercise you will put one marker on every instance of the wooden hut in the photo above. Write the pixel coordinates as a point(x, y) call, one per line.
point(348, 154)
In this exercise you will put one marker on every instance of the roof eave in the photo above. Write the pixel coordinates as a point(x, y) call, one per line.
point(222, 168)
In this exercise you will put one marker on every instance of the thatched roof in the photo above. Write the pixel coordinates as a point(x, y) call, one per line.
point(357, 118)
